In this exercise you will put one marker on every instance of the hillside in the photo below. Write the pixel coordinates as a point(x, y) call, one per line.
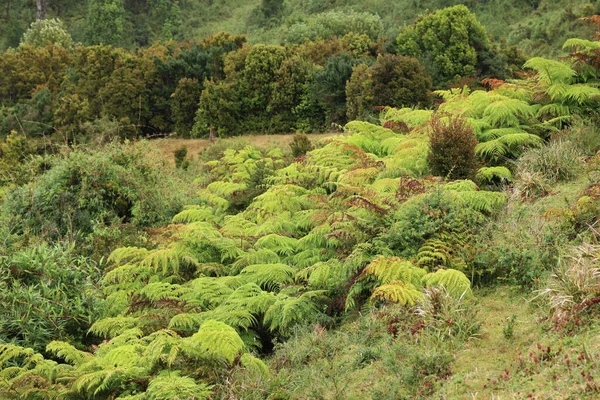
point(537, 27)
point(344, 217)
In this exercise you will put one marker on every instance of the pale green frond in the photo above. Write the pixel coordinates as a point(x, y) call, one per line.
point(269, 276)
point(67, 352)
point(127, 255)
point(157, 291)
point(482, 201)
point(389, 269)
point(487, 174)
point(288, 311)
point(550, 71)
point(282, 245)
point(580, 44)
point(508, 144)
point(169, 385)
point(397, 292)
point(214, 340)
point(197, 214)
point(111, 327)
point(455, 282)
point(508, 112)
point(255, 365)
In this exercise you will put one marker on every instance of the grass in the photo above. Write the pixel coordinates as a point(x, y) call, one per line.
point(167, 146)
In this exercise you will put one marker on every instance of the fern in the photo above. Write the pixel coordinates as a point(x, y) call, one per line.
point(487, 174)
point(197, 214)
point(288, 311)
point(482, 201)
point(67, 352)
point(455, 282)
point(255, 365)
point(508, 112)
point(112, 327)
point(282, 245)
point(170, 385)
point(268, 276)
point(551, 72)
point(214, 340)
point(508, 145)
point(389, 269)
point(397, 292)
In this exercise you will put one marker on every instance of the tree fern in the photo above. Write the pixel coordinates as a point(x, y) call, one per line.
point(111, 327)
point(390, 269)
point(488, 174)
point(214, 340)
point(397, 292)
point(268, 276)
point(197, 214)
point(68, 353)
point(170, 385)
point(455, 282)
point(288, 311)
point(508, 145)
point(508, 112)
point(282, 245)
point(482, 201)
point(551, 72)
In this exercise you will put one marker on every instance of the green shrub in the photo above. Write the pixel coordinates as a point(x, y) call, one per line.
point(392, 80)
point(48, 293)
point(300, 145)
point(452, 148)
point(559, 161)
point(180, 157)
point(87, 190)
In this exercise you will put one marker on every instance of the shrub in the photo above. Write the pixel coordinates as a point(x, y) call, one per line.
point(87, 190)
point(48, 31)
point(452, 147)
point(300, 145)
point(560, 161)
point(180, 157)
point(392, 80)
point(47, 293)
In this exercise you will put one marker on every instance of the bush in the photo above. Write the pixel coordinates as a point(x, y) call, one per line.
point(300, 145)
point(392, 80)
point(560, 161)
point(180, 157)
point(86, 190)
point(47, 293)
point(452, 148)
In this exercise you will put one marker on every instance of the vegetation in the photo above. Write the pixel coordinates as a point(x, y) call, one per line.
point(448, 218)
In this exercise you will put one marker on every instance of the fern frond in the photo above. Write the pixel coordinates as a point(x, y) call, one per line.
point(268, 276)
point(127, 255)
point(214, 340)
point(508, 144)
point(170, 385)
point(197, 214)
point(551, 72)
point(482, 201)
point(157, 291)
point(455, 282)
point(288, 311)
point(112, 327)
point(487, 174)
point(282, 245)
point(390, 269)
point(255, 365)
point(67, 352)
point(397, 292)
point(508, 112)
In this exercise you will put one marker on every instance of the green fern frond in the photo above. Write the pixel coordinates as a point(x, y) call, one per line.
point(482, 201)
point(188, 322)
point(464, 185)
point(551, 72)
point(508, 145)
point(111, 327)
point(207, 292)
point(157, 291)
point(455, 282)
point(580, 44)
point(435, 253)
point(282, 245)
point(288, 311)
point(495, 133)
point(397, 292)
point(67, 352)
point(258, 256)
point(268, 276)
point(389, 269)
point(197, 214)
point(170, 385)
point(508, 112)
point(487, 174)
point(127, 255)
point(255, 365)
point(214, 340)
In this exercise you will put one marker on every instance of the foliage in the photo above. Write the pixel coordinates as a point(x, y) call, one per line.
point(47, 31)
point(392, 80)
point(48, 293)
point(300, 145)
point(450, 42)
point(560, 161)
point(452, 148)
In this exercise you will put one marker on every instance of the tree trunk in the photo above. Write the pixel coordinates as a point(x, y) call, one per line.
point(42, 6)
point(213, 135)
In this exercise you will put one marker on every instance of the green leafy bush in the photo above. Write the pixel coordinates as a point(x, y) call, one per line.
point(452, 148)
point(392, 80)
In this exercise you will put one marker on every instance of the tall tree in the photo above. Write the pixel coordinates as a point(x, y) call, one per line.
point(42, 7)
